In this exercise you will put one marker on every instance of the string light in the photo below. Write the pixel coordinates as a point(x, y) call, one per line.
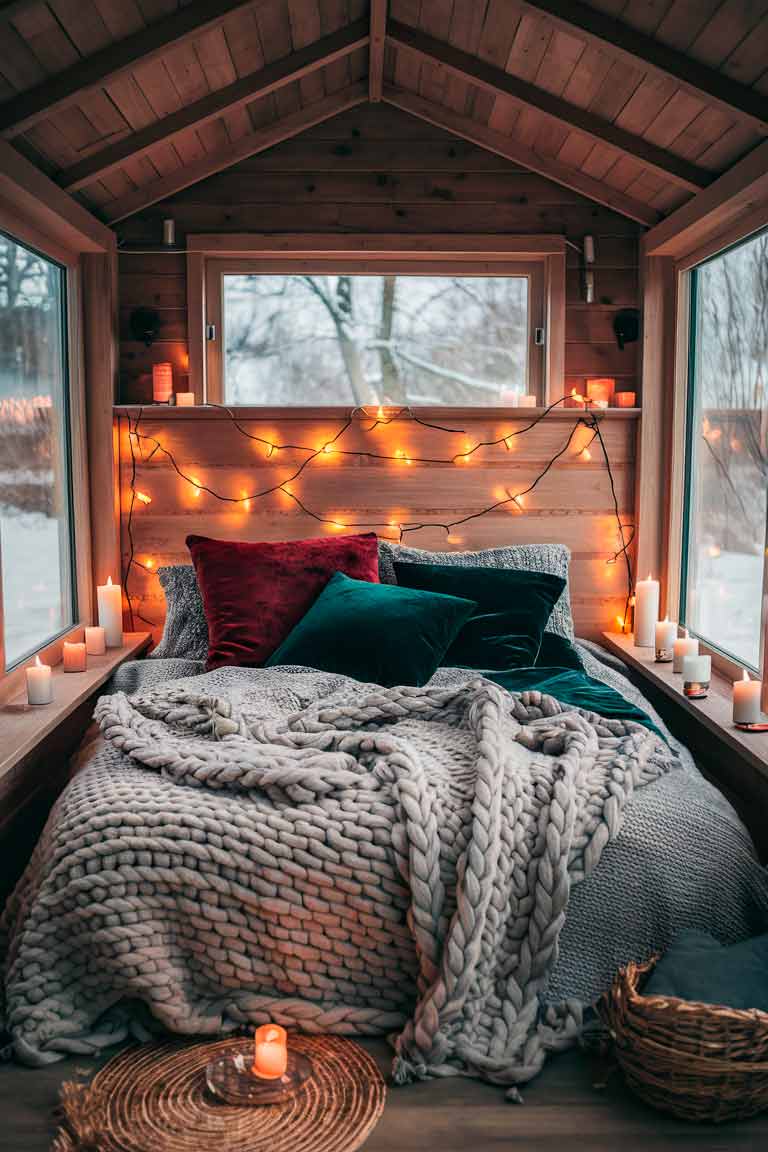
point(149, 446)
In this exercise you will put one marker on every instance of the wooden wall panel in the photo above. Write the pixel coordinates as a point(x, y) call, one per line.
point(571, 505)
point(375, 169)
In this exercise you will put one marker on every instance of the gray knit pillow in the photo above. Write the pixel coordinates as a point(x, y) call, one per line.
point(552, 558)
point(185, 635)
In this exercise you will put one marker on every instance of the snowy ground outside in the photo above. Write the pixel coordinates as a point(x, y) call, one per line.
point(31, 582)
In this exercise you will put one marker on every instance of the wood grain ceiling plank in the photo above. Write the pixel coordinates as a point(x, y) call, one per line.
point(214, 162)
point(530, 97)
point(83, 24)
point(733, 21)
point(46, 38)
point(121, 17)
point(306, 29)
point(245, 43)
point(378, 26)
point(684, 21)
point(144, 46)
point(634, 47)
point(334, 14)
point(551, 168)
point(244, 91)
point(502, 19)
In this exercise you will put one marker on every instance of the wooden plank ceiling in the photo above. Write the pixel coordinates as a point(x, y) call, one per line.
point(637, 104)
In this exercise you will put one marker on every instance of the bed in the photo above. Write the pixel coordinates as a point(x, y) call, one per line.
point(462, 866)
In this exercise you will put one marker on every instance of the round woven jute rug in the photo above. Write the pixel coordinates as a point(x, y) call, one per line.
point(153, 1098)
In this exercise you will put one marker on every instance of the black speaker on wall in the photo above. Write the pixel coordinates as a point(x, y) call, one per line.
point(626, 326)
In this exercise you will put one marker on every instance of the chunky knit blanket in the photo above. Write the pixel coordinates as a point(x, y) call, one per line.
point(329, 855)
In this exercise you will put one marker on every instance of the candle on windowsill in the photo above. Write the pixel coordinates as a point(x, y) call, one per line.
point(109, 597)
point(646, 612)
point(510, 399)
point(666, 631)
point(162, 383)
point(95, 641)
point(270, 1052)
point(73, 657)
point(601, 389)
point(527, 401)
point(185, 399)
point(625, 399)
point(685, 645)
point(746, 700)
point(39, 683)
point(697, 672)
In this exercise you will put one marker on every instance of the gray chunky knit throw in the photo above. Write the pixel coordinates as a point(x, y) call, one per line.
point(334, 856)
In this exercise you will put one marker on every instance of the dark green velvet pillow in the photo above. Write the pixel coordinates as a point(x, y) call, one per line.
point(513, 607)
point(375, 632)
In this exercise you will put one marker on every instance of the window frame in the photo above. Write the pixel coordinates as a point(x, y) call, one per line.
point(723, 662)
point(211, 257)
point(75, 447)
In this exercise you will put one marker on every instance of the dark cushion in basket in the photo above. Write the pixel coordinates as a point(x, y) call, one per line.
point(698, 967)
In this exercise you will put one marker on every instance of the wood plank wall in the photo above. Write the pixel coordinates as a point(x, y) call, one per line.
point(375, 169)
point(572, 504)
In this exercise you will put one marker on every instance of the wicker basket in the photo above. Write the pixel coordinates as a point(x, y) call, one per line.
point(698, 1061)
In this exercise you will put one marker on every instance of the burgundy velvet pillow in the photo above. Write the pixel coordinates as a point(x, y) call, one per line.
point(254, 593)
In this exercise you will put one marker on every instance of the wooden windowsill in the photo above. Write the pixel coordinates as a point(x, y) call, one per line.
point(714, 712)
point(23, 727)
point(153, 411)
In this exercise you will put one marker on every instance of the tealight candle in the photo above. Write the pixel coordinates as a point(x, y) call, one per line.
point(624, 399)
point(746, 700)
point(685, 645)
point(646, 612)
point(74, 657)
point(270, 1054)
point(109, 597)
point(39, 683)
point(95, 641)
point(697, 672)
point(666, 631)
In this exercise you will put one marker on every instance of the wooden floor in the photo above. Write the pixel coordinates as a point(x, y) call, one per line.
point(561, 1108)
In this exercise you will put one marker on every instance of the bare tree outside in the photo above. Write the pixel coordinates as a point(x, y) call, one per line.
point(34, 512)
point(351, 340)
point(729, 481)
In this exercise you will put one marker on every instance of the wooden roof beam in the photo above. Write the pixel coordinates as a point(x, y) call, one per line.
point(213, 162)
point(500, 83)
point(732, 98)
point(376, 51)
point(248, 88)
point(505, 146)
point(734, 196)
point(28, 108)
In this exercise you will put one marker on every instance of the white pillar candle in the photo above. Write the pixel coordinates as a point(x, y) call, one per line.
point(697, 672)
point(646, 612)
point(685, 645)
point(109, 597)
point(73, 656)
point(95, 641)
point(39, 683)
point(666, 631)
point(746, 700)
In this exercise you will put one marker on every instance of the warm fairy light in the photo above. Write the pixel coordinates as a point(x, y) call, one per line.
point(142, 496)
point(586, 454)
point(271, 449)
point(519, 500)
point(620, 622)
point(713, 551)
point(149, 562)
point(327, 449)
point(246, 502)
point(508, 443)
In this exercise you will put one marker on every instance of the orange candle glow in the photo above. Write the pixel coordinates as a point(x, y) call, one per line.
point(575, 400)
point(625, 399)
point(601, 388)
point(270, 1055)
point(162, 383)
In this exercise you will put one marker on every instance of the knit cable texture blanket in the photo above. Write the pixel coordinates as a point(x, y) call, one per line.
point(485, 806)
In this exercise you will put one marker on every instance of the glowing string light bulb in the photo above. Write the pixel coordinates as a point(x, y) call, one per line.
point(142, 496)
point(586, 454)
point(246, 502)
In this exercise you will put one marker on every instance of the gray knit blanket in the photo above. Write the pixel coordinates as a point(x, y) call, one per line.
point(330, 855)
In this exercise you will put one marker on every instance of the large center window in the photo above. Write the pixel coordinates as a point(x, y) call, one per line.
point(336, 338)
point(36, 569)
point(724, 554)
